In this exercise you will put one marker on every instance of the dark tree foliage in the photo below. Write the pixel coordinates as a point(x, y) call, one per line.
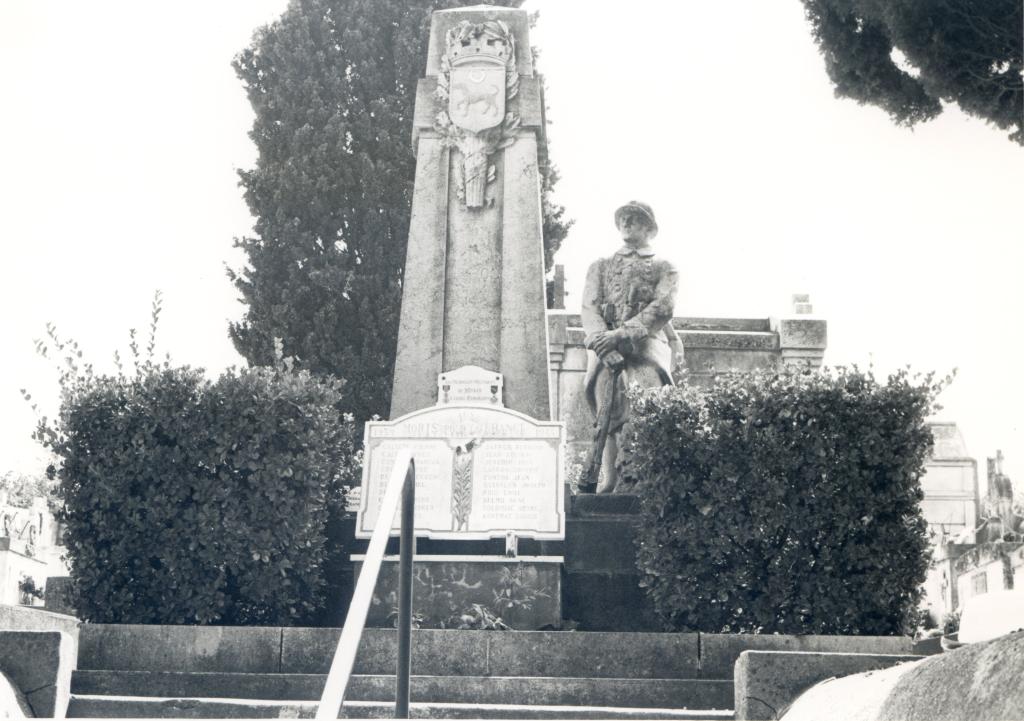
point(967, 52)
point(784, 503)
point(333, 85)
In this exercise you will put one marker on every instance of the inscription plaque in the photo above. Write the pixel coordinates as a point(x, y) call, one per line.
point(480, 472)
point(469, 385)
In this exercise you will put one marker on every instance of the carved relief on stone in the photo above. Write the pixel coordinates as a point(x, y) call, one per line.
point(478, 79)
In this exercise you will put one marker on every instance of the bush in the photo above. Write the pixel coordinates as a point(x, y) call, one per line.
point(783, 503)
point(190, 501)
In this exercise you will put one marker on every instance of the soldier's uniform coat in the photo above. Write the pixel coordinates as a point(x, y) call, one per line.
point(633, 290)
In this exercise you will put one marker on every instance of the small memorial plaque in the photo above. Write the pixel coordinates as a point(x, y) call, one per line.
point(469, 385)
point(480, 472)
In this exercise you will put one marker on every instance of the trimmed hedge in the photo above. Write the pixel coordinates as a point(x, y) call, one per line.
point(188, 501)
point(783, 502)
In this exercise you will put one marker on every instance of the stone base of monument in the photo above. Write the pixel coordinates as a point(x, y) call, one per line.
point(471, 591)
point(600, 584)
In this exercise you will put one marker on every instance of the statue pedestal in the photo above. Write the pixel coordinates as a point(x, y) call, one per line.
point(600, 583)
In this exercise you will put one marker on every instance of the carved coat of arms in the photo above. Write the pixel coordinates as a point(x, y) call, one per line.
point(478, 77)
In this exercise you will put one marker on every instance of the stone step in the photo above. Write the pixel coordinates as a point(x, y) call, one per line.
point(434, 652)
point(84, 706)
point(639, 693)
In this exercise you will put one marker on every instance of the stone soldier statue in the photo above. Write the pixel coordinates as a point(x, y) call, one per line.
point(628, 302)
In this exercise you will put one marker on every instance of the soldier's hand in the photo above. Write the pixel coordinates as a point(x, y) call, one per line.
point(613, 359)
point(604, 342)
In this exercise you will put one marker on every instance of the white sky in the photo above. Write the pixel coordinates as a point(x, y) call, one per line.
point(123, 125)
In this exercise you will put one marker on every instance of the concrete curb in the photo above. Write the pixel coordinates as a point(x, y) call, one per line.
point(768, 682)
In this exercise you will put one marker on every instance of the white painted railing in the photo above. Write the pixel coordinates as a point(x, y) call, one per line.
point(403, 476)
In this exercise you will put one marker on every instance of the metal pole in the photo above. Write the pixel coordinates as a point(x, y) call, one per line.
point(406, 551)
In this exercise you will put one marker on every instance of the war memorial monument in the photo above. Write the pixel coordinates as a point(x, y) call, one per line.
point(496, 397)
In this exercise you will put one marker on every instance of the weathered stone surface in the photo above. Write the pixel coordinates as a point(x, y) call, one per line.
point(603, 545)
point(473, 280)
point(801, 332)
point(473, 292)
point(858, 697)
point(719, 652)
point(12, 701)
point(28, 618)
point(524, 329)
point(688, 323)
point(102, 707)
point(605, 655)
point(702, 361)
point(729, 340)
point(767, 682)
point(607, 601)
point(442, 590)
point(160, 648)
point(421, 329)
point(57, 597)
point(492, 653)
point(640, 693)
point(977, 681)
point(434, 652)
point(39, 664)
point(589, 505)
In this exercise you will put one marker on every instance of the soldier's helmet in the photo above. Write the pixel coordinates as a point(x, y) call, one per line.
point(638, 208)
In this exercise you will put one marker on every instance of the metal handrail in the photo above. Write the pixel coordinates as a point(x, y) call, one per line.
point(355, 621)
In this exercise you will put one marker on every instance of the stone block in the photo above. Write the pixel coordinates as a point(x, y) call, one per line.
point(57, 596)
point(976, 681)
point(13, 703)
point(445, 588)
point(594, 655)
point(601, 545)
point(39, 665)
point(712, 360)
point(606, 504)
point(729, 340)
point(608, 602)
point(434, 652)
point(719, 652)
point(768, 682)
point(30, 618)
point(801, 333)
point(169, 648)
point(432, 688)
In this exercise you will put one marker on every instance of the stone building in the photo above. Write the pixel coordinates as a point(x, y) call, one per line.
point(950, 485)
point(984, 557)
point(711, 345)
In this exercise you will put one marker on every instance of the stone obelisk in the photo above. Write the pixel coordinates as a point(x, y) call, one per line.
point(473, 289)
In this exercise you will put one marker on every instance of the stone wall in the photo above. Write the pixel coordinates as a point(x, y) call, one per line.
point(710, 345)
